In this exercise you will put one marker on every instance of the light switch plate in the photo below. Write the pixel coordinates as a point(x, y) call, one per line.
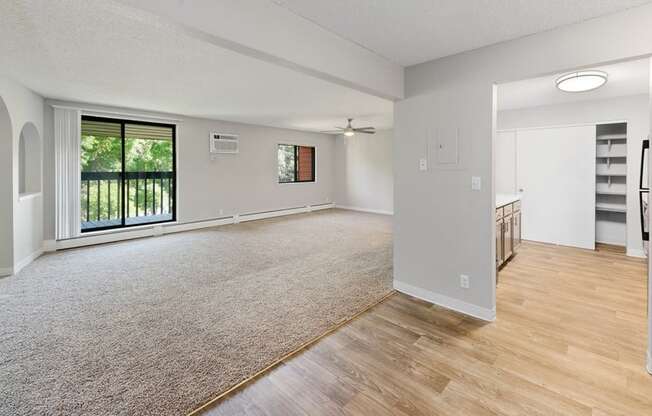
point(476, 183)
point(423, 164)
point(464, 281)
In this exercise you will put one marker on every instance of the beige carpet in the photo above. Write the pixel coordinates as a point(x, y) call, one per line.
point(159, 326)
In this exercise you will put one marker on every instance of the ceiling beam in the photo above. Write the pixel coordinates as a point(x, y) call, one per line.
point(263, 30)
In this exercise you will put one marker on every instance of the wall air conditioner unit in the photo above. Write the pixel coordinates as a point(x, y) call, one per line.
point(223, 143)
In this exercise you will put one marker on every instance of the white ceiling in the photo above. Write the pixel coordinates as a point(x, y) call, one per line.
point(113, 52)
point(94, 51)
point(626, 78)
point(414, 31)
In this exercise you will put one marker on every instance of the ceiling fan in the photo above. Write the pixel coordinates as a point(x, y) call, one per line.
point(349, 130)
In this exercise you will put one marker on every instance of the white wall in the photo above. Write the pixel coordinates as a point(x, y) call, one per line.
point(363, 172)
point(235, 184)
point(23, 220)
point(6, 205)
point(633, 109)
point(442, 228)
point(505, 163)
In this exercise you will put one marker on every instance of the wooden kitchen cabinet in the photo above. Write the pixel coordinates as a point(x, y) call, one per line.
point(516, 228)
point(499, 242)
point(508, 241)
point(508, 231)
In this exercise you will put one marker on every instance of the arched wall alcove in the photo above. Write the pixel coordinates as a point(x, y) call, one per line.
point(29, 161)
point(6, 191)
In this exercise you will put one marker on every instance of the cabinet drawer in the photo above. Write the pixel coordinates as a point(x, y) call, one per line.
point(499, 213)
point(507, 210)
point(517, 206)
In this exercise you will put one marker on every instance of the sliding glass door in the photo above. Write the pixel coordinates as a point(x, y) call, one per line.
point(127, 173)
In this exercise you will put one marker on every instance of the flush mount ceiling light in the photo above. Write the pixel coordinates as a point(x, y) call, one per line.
point(581, 81)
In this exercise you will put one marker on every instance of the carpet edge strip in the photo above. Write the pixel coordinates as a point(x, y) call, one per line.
point(290, 354)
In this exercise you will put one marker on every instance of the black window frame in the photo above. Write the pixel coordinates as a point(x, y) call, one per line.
point(123, 172)
point(296, 163)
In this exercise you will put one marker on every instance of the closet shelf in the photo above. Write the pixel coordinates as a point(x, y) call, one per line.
point(610, 209)
point(605, 137)
point(610, 193)
point(611, 178)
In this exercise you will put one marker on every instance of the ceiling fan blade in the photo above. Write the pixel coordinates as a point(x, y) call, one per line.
point(364, 128)
point(331, 132)
point(366, 131)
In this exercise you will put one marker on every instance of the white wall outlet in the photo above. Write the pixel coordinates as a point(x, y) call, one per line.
point(464, 281)
point(221, 212)
point(423, 164)
point(236, 219)
point(476, 183)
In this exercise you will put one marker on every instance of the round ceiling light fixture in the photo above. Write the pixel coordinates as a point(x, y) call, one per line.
point(581, 81)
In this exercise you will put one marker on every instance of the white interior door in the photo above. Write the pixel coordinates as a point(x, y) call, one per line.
point(556, 173)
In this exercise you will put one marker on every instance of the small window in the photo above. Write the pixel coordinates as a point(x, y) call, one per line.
point(296, 163)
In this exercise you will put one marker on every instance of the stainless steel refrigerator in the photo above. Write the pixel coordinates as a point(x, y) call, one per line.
point(644, 195)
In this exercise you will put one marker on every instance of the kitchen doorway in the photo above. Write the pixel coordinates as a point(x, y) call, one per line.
point(570, 183)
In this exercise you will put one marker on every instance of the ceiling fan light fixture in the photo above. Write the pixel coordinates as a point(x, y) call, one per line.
point(581, 81)
point(350, 131)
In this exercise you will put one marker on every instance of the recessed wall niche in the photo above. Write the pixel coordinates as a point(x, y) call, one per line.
point(29, 161)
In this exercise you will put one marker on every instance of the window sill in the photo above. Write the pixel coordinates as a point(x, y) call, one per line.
point(28, 195)
point(295, 183)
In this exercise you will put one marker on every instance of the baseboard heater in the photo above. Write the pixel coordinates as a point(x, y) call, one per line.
point(160, 229)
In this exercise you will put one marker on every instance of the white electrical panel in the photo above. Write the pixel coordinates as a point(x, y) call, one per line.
point(447, 146)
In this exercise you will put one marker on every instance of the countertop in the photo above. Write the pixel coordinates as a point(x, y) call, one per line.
point(504, 199)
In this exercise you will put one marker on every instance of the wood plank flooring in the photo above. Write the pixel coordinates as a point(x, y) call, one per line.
point(570, 339)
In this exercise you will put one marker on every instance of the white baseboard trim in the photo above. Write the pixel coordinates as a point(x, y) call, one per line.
point(649, 362)
point(161, 229)
point(27, 260)
point(49, 245)
point(636, 252)
point(371, 211)
point(449, 303)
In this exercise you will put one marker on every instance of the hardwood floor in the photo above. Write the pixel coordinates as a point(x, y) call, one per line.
point(570, 339)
